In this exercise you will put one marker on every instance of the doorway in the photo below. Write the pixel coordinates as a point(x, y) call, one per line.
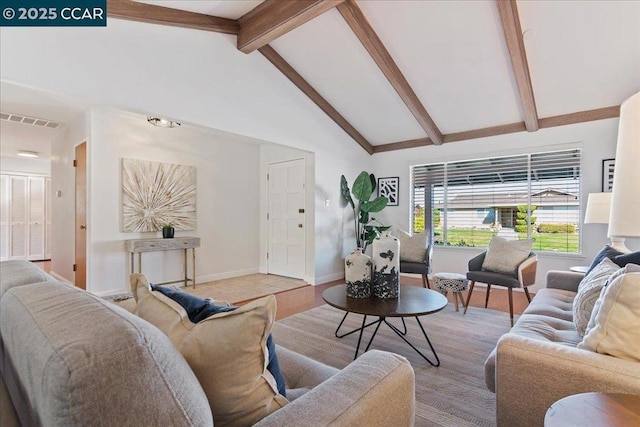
point(286, 218)
point(80, 265)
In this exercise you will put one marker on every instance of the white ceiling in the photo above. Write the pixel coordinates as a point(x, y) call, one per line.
point(582, 55)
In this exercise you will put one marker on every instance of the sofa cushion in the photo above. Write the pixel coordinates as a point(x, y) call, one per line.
point(589, 291)
point(556, 303)
point(606, 252)
point(227, 352)
point(617, 321)
point(504, 256)
point(413, 248)
point(71, 358)
point(199, 309)
point(20, 273)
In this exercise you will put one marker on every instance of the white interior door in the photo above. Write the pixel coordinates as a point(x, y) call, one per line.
point(4, 217)
point(286, 219)
point(36, 218)
point(18, 215)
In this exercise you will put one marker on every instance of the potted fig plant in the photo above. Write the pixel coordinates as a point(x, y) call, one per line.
point(357, 264)
point(168, 230)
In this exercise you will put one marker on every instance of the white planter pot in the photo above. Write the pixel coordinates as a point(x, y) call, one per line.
point(357, 273)
point(386, 266)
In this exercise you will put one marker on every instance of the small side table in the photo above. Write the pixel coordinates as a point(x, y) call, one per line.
point(580, 269)
point(595, 409)
point(451, 282)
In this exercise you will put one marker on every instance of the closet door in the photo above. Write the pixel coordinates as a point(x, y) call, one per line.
point(18, 215)
point(36, 218)
point(47, 218)
point(4, 217)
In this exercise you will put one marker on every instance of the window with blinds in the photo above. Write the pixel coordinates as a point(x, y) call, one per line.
point(466, 203)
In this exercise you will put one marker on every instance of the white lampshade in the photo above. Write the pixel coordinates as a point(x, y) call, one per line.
point(625, 197)
point(598, 208)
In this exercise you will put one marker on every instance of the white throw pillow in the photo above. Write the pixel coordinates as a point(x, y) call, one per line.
point(589, 291)
point(504, 256)
point(227, 352)
point(413, 248)
point(617, 323)
point(629, 268)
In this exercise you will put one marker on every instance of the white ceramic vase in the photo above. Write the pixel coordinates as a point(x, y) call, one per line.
point(386, 266)
point(357, 273)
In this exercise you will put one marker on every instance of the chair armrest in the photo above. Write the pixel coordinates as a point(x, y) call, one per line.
point(475, 263)
point(377, 389)
point(527, 271)
point(429, 255)
point(533, 374)
point(565, 280)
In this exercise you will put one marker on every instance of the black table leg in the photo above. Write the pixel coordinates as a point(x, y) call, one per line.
point(397, 331)
point(355, 330)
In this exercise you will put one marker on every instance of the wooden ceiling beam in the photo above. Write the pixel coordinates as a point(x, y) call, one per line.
point(142, 12)
point(359, 24)
point(273, 18)
point(295, 78)
point(547, 122)
point(515, 43)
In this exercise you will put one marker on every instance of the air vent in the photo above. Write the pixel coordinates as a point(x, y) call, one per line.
point(16, 118)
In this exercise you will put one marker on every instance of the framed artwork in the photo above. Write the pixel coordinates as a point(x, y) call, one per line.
point(389, 188)
point(155, 194)
point(607, 174)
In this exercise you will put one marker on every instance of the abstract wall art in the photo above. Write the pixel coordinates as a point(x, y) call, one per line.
point(155, 193)
point(389, 188)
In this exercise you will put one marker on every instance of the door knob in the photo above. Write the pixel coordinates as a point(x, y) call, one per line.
point(83, 227)
point(299, 225)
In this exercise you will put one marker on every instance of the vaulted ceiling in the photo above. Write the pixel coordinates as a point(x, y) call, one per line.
point(401, 74)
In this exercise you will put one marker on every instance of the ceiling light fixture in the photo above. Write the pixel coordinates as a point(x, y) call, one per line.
point(25, 153)
point(162, 123)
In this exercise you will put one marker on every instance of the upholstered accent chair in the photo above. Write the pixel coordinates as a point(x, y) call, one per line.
point(423, 268)
point(523, 276)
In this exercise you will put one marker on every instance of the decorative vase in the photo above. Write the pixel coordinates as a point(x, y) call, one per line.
point(386, 266)
point(167, 232)
point(357, 274)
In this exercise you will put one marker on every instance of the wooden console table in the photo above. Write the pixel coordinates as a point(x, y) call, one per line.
point(138, 246)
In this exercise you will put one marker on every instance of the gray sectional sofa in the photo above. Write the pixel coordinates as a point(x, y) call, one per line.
point(70, 358)
point(537, 362)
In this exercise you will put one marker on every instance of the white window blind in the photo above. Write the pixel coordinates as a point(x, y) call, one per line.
point(466, 203)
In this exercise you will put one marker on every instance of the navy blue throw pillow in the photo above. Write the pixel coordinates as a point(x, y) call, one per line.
point(199, 309)
point(606, 252)
point(630, 258)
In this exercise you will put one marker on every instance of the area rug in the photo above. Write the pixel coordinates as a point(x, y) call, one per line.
point(453, 394)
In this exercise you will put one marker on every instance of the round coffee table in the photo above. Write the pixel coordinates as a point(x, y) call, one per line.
point(412, 302)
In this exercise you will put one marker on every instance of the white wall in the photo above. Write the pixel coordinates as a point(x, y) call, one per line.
point(227, 200)
point(598, 141)
point(24, 165)
point(196, 77)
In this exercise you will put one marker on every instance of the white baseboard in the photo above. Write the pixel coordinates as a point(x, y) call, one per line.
point(329, 278)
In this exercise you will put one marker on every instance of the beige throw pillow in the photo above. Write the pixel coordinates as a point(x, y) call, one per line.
point(618, 321)
point(413, 248)
point(504, 256)
point(589, 291)
point(226, 351)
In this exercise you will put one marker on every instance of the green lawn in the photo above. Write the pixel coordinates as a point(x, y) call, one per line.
point(552, 242)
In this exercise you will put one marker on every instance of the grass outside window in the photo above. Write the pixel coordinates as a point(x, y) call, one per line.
point(473, 237)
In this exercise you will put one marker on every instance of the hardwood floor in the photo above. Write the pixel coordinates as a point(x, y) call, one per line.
point(302, 299)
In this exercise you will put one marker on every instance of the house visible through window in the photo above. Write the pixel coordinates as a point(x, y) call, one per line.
point(466, 203)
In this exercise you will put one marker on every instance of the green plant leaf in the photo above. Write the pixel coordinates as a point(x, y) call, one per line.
point(346, 193)
point(375, 205)
point(374, 184)
point(363, 217)
point(362, 189)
